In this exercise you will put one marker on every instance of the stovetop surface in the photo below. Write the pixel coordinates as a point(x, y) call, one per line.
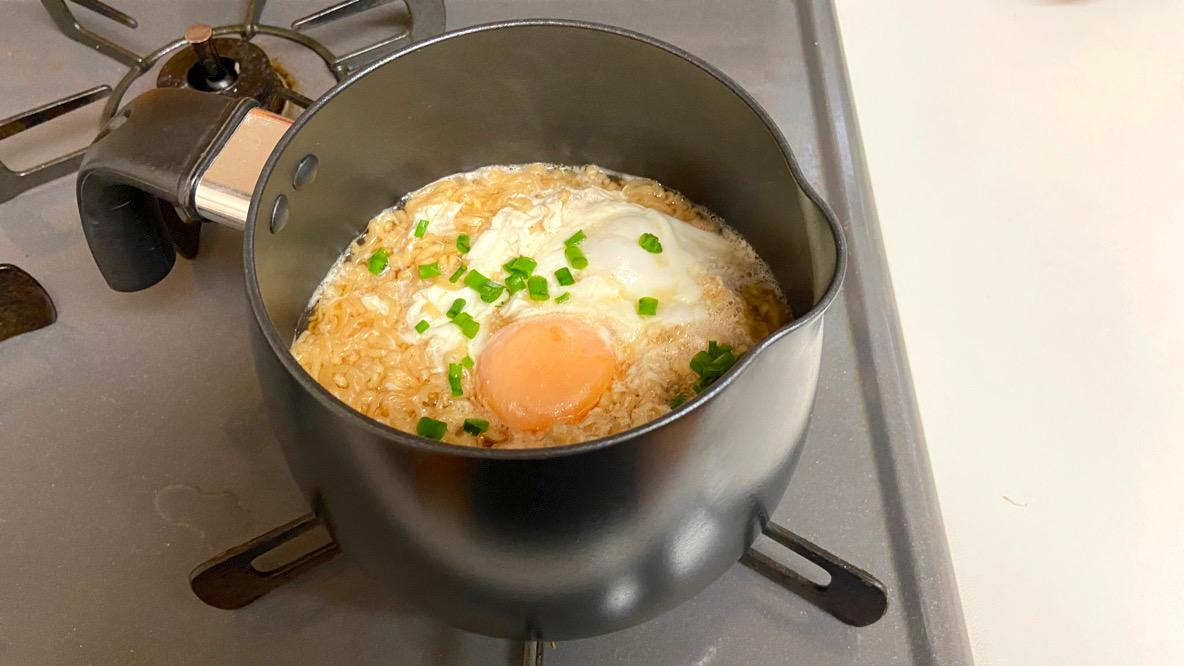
point(133, 442)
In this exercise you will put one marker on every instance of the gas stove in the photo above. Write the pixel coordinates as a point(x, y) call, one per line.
point(134, 443)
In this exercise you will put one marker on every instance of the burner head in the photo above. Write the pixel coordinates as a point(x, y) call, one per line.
point(227, 66)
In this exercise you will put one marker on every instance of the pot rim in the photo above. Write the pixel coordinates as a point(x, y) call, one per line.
point(391, 434)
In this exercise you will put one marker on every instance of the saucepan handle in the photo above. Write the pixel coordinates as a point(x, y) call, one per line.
point(154, 157)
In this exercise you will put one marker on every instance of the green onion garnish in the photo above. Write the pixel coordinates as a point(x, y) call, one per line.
point(429, 270)
point(522, 265)
point(422, 326)
point(537, 286)
point(650, 243)
point(677, 401)
point(467, 361)
point(421, 228)
point(474, 280)
point(575, 239)
point(564, 297)
point(575, 257)
point(468, 325)
point(490, 291)
point(712, 363)
point(476, 426)
point(378, 261)
point(457, 306)
point(563, 277)
point(463, 244)
point(460, 270)
point(454, 370)
point(430, 428)
point(647, 306)
point(515, 282)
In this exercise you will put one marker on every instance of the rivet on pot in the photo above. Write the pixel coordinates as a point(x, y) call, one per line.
point(306, 171)
point(279, 214)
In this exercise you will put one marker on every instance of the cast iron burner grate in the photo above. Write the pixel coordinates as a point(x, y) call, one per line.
point(251, 73)
point(224, 60)
point(234, 579)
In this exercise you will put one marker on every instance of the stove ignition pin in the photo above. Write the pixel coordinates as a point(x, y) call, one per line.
point(200, 37)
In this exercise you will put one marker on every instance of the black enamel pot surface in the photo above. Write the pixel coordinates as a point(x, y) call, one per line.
point(549, 543)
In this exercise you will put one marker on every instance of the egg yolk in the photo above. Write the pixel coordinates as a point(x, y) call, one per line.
point(542, 370)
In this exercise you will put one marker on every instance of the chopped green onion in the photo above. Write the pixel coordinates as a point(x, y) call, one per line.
point(476, 426)
point(467, 361)
point(421, 228)
point(490, 291)
point(457, 306)
point(563, 277)
point(468, 325)
point(515, 282)
point(537, 286)
point(575, 257)
point(564, 297)
point(430, 428)
point(475, 280)
point(429, 270)
point(647, 306)
point(454, 371)
point(650, 243)
point(522, 265)
point(378, 261)
point(422, 326)
point(712, 363)
point(704, 360)
point(460, 270)
point(575, 239)
point(677, 401)
point(463, 244)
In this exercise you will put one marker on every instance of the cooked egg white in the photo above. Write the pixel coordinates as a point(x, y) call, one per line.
point(619, 271)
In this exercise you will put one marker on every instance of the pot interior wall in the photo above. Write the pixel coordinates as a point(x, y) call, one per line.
point(549, 93)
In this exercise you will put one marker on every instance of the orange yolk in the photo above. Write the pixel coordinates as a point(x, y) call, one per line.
point(541, 370)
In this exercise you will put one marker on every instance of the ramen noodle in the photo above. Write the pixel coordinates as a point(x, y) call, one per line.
point(535, 305)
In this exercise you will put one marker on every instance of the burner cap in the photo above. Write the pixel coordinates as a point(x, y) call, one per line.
point(227, 66)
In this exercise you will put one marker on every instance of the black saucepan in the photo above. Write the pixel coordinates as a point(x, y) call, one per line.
point(553, 543)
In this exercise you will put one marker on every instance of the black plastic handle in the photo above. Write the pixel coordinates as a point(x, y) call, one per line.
point(853, 595)
point(146, 160)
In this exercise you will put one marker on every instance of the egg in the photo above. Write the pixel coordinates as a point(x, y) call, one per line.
point(604, 297)
point(544, 369)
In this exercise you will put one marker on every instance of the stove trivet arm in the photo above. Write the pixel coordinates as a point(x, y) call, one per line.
point(254, 15)
point(64, 19)
point(12, 182)
point(231, 580)
point(295, 97)
point(24, 304)
point(108, 11)
point(853, 595)
point(532, 653)
point(338, 11)
point(427, 20)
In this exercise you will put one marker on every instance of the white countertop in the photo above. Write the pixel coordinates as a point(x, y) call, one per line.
point(1027, 158)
